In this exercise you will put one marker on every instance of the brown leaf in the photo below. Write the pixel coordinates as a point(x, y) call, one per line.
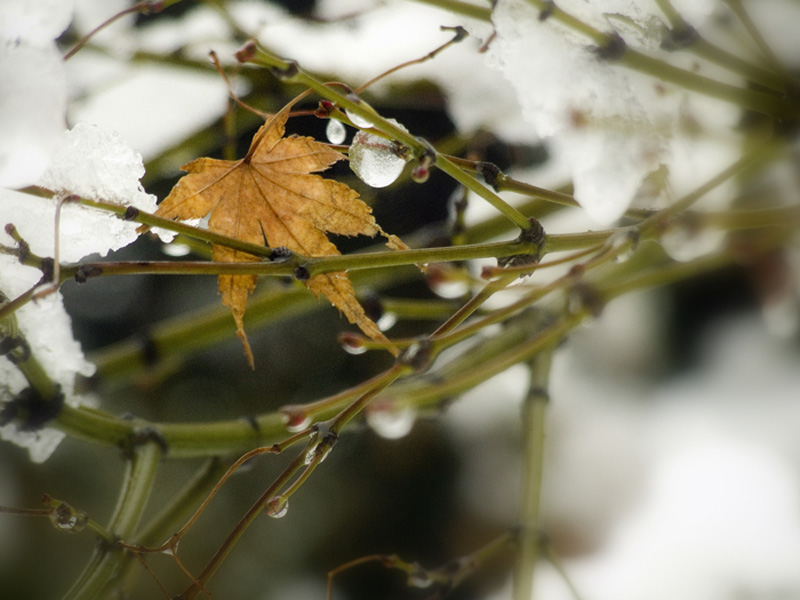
point(272, 193)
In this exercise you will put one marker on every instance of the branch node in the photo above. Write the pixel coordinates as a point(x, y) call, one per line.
point(612, 49)
point(31, 410)
point(286, 73)
point(459, 32)
point(301, 273)
point(679, 38)
point(131, 213)
point(418, 356)
point(47, 267)
point(535, 236)
point(84, 272)
point(141, 436)
point(547, 10)
point(280, 254)
point(490, 172)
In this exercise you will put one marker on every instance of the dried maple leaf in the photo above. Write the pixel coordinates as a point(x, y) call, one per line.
point(271, 196)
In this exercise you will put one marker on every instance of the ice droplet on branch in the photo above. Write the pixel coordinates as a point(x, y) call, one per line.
point(377, 161)
point(357, 120)
point(277, 507)
point(390, 420)
point(335, 131)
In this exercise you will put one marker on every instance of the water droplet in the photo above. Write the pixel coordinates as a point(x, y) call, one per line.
point(377, 161)
point(319, 452)
point(686, 240)
point(623, 243)
point(420, 174)
point(450, 289)
point(358, 120)
point(447, 283)
point(66, 518)
point(352, 343)
point(295, 419)
point(390, 420)
point(277, 507)
point(386, 321)
point(335, 131)
point(176, 249)
point(327, 439)
point(583, 297)
point(419, 578)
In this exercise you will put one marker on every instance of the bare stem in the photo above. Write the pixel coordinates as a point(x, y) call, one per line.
point(533, 422)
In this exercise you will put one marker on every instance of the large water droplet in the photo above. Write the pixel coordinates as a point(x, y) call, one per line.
point(390, 420)
point(335, 131)
point(377, 161)
point(277, 507)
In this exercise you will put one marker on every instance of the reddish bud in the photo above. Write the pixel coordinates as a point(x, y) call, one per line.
point(246, 52)
point(420, 174)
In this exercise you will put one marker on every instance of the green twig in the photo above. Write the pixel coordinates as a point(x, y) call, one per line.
point(533, 423)
point(106, 560)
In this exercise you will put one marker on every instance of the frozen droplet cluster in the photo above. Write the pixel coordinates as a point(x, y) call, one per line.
point(378, 162)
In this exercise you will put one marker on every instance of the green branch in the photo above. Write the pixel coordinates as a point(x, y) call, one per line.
point(534, 410)
point(106, 560)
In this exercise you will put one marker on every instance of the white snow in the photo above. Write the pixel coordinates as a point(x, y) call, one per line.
point(33, 93)
point(31, 111)
point(36, 22)
point(152, 107)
